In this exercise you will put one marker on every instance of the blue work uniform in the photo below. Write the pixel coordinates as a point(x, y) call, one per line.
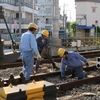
point(41, 44)
point(28, 47)
point(73, 62)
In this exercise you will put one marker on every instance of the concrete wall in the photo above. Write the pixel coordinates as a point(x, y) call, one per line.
point(55, 45)
point(80, 33)
point(86, 7)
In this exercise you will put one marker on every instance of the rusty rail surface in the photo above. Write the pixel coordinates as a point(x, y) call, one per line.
point(91, 54)
point(63, 87)
point(20, 79)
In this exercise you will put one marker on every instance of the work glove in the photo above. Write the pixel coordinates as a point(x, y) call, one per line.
point(87, 64)
point(39, 58)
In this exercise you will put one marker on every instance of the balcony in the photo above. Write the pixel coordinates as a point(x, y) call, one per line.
point(10, 20)
point(43, 3)
point(14, 3)
point(11, 2)
point(25, 3)
point(35, 21)
point(44, 13)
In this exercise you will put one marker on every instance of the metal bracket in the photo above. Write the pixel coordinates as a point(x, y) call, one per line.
point(2, 17)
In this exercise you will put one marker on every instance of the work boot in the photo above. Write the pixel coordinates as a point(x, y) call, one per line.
point(27, 81)
point(36, 69)
point(85, 74)
point(55, 67)
point(73, 75)
point(62, 78)
point(37, 65)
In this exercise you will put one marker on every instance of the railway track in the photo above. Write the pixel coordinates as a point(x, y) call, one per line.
point(91, 54)
point(61, 87)
point(20, 79)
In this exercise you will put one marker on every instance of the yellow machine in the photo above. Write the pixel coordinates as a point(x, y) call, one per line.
point(40, 90)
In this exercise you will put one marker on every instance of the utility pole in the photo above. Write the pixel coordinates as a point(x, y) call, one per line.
point(64, 16)
point(96, 23)
point(66, 21)
point(20, 16)
point(55, 17)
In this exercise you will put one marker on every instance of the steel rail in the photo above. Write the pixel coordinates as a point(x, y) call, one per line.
point(56, 59)
point(20, 79)
point(63, 87)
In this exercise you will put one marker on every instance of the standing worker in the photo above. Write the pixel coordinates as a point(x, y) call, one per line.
point(43, 48)
point(72, 62)
point(28, 47)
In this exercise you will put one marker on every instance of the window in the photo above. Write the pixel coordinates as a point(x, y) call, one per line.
point(35, 1)
point(17, 15)
point(48, 11)
point(47, 20)
point(93, 9)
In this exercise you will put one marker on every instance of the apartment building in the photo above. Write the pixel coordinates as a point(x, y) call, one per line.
point(11, 10)
point(87, 15)
point(48, 15)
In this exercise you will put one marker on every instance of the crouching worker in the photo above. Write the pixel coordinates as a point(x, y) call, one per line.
point(43, 48)
point(73, 61)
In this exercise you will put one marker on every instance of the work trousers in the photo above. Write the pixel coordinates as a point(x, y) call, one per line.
point(78, 71)
point(45, 53)
point(48, 56)
point(28, 61)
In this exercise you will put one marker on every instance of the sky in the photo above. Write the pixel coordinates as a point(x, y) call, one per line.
point(69, 9)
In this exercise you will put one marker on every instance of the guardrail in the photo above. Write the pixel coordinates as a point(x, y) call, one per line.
point(87, 41)
point(65, 42)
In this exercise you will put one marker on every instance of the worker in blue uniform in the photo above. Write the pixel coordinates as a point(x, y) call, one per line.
point(72, 61)
point(28, 47)
point(43, 47)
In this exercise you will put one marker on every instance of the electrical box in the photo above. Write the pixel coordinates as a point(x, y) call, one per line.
point(73, 44)
point(78, 43)
point(62, 34)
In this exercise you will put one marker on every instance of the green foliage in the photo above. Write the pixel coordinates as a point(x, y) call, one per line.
point(97, 44)
point(72, 28)
point(98, 29)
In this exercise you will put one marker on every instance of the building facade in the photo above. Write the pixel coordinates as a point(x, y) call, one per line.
point(87, 14)
point(89, 11)
point(12, 10)
point(48, 15)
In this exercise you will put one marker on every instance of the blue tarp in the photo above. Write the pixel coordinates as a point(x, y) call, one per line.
point(84, 27)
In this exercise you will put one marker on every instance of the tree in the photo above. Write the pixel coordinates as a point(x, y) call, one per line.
point(98, 29)
point(72, 28)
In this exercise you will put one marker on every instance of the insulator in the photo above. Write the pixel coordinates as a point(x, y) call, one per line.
point(98, 65)
point(98, 59)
